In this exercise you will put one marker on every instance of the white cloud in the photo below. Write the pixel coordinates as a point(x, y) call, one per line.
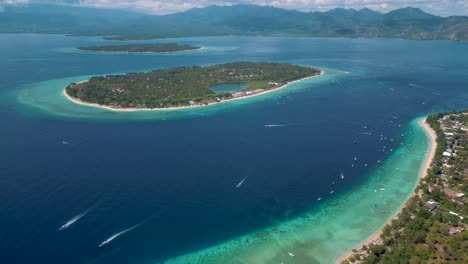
point(14, 2)
point(440, 7)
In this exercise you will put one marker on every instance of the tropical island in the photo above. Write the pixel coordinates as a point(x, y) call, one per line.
point(431, 228)
point(141, 48)
point(186, 86)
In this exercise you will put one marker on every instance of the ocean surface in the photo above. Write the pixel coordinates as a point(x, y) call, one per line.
point(316, 163)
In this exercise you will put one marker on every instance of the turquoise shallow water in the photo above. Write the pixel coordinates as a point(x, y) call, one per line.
point(46, 99)
point(339, 223)
point(179, 169)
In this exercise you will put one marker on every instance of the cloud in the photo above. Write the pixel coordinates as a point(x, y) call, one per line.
point(440, 7)
point(13, 2)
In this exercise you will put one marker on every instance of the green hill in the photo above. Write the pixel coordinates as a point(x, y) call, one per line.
point(409, 23)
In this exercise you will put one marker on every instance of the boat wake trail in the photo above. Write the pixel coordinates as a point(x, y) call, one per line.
point(116, 235)
point(436, 92)
point(240, 183)
point(280, 125)
point(276, 125)
point(73, 220)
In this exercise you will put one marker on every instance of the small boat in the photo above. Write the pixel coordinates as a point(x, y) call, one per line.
point(342, 175)
point(320, 198)
point(280, 230)
point(383, 212)
point(331, 192)
point(291, 254)
point(65, 142)
point(382, 189)
point(240, 183)
point(73, 220)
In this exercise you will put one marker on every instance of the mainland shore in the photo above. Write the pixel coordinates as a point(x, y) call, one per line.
point(137, 52)
point(78, 101)
point(422, 174)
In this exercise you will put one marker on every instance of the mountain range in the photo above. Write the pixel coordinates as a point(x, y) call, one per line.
point(408, 23)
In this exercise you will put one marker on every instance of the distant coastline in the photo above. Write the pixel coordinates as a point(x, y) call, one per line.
point(139, 52)
point(422, 174)
point(78, 101)
point(140, 48)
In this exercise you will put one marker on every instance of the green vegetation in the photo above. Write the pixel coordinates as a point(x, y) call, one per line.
point(184, 86)
point(409, 23)
point(155, 48)
point(432, 226)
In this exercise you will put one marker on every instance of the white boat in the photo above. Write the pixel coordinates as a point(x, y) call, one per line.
point(240, 183)
point(73, 220)
point(275, 125)
point(291, 254)
point(320, 198)
point(114, 236)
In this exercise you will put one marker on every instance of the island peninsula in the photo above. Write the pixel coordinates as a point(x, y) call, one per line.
point(183, 87)
point(141, 48)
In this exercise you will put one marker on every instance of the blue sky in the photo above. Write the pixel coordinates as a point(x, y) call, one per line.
point(438, 7)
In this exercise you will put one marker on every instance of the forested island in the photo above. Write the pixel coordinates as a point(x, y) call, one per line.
point(144, 48)
point(185, 86)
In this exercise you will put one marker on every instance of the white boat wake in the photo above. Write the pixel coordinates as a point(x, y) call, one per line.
point(116, 235)
point(428, 89)
point(73, 220)
point(277, 125)
point(241, 182)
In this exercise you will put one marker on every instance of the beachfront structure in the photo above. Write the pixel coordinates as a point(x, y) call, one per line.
point(456, 230)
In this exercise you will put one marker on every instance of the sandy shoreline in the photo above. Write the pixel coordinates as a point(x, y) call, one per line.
point(422, 174)
point(77, 101)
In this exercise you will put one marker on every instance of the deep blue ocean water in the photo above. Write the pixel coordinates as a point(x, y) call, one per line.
point(180, 174)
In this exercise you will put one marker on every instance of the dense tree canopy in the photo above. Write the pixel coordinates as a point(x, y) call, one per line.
point(182, 86)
